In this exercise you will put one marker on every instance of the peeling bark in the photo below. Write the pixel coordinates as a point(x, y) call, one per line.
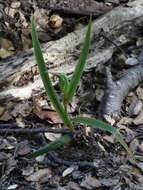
point(60, 55)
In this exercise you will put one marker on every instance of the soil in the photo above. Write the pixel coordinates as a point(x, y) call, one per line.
point(94, 159)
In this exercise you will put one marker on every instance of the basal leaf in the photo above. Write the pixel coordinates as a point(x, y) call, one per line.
point(51, 146)
point(96, 123)
point(46, 79)
point(80, 66)
point(124, 144)
point(102, 125)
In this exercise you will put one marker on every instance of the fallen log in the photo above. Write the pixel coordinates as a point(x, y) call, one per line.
point(62, 55)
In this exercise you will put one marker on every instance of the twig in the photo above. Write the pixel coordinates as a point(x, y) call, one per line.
point(8, 125)
point(106, 38)
point(26, 130)
point(76, 12)
point(71, 163)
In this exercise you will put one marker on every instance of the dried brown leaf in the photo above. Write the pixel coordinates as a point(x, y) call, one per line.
point(73, 186)
point(23, 148)
point(49, 115)
point(92, 181)
point(37, 176)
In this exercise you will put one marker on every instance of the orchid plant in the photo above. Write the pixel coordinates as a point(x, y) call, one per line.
point(68, 88)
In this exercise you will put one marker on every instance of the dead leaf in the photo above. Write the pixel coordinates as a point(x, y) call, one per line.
point(34, 70)
point(11, 164)
point(67, 171)
point(134, 171)
point(85, 185)
point(27, 43)
point(28, 171)
point(23, 148)
point(6, 44)
point(5, 53)
point(92, 181)
point(8, 143)
point(134, 145)
point(140, 165)
point(37, 176)
point(2, 109)
point(110, 138)
point(99, 94)
point(6, 116)
point(26, 31)
point(140, 93)
point(109, 181)
point(15, 4)
point(52, 136)
point(22, 21)
point(139, 119)
point(23, 109)
point(14, 186)
point(41, 19)
point(140, 147)
point(87, 130)
point(109, 119)
point(10, 11)
point(102, 147)
point(73, 186)
point(130, 134)
point(49, 115)
point(117, 2)
point(135, 107)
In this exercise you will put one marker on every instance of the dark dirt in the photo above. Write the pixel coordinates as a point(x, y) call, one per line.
point(94, 159)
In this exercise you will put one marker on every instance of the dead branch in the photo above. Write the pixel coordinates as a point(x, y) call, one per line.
point(60, 55)
point(116, 91)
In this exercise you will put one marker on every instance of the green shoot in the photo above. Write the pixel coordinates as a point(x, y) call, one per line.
point(51, 146)
point(79, 67)
point(64, 85)
point(68, 89)
point(46, 79)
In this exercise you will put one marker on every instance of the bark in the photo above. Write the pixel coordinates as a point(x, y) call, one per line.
point(62, 55)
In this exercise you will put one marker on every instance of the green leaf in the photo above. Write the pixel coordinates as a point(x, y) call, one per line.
point(46, 79)
point(124, 144)
point(102, 125)
point(63, 82)
point(80, 66)
point(96, 123)
point(51, 146)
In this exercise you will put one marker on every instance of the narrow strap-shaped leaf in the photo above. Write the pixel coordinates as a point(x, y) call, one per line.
point(46, 79)
point(51, 146)
point(80, 66)
point(63, 82)
point(102, 125)
point(124, 144)
point(96, 123)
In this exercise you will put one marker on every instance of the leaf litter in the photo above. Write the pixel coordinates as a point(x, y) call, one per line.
point(119, 173)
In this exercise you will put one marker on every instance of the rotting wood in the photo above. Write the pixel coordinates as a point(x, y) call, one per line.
point(60, 55)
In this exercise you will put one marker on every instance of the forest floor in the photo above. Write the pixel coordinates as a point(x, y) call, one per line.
point(94, 159)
